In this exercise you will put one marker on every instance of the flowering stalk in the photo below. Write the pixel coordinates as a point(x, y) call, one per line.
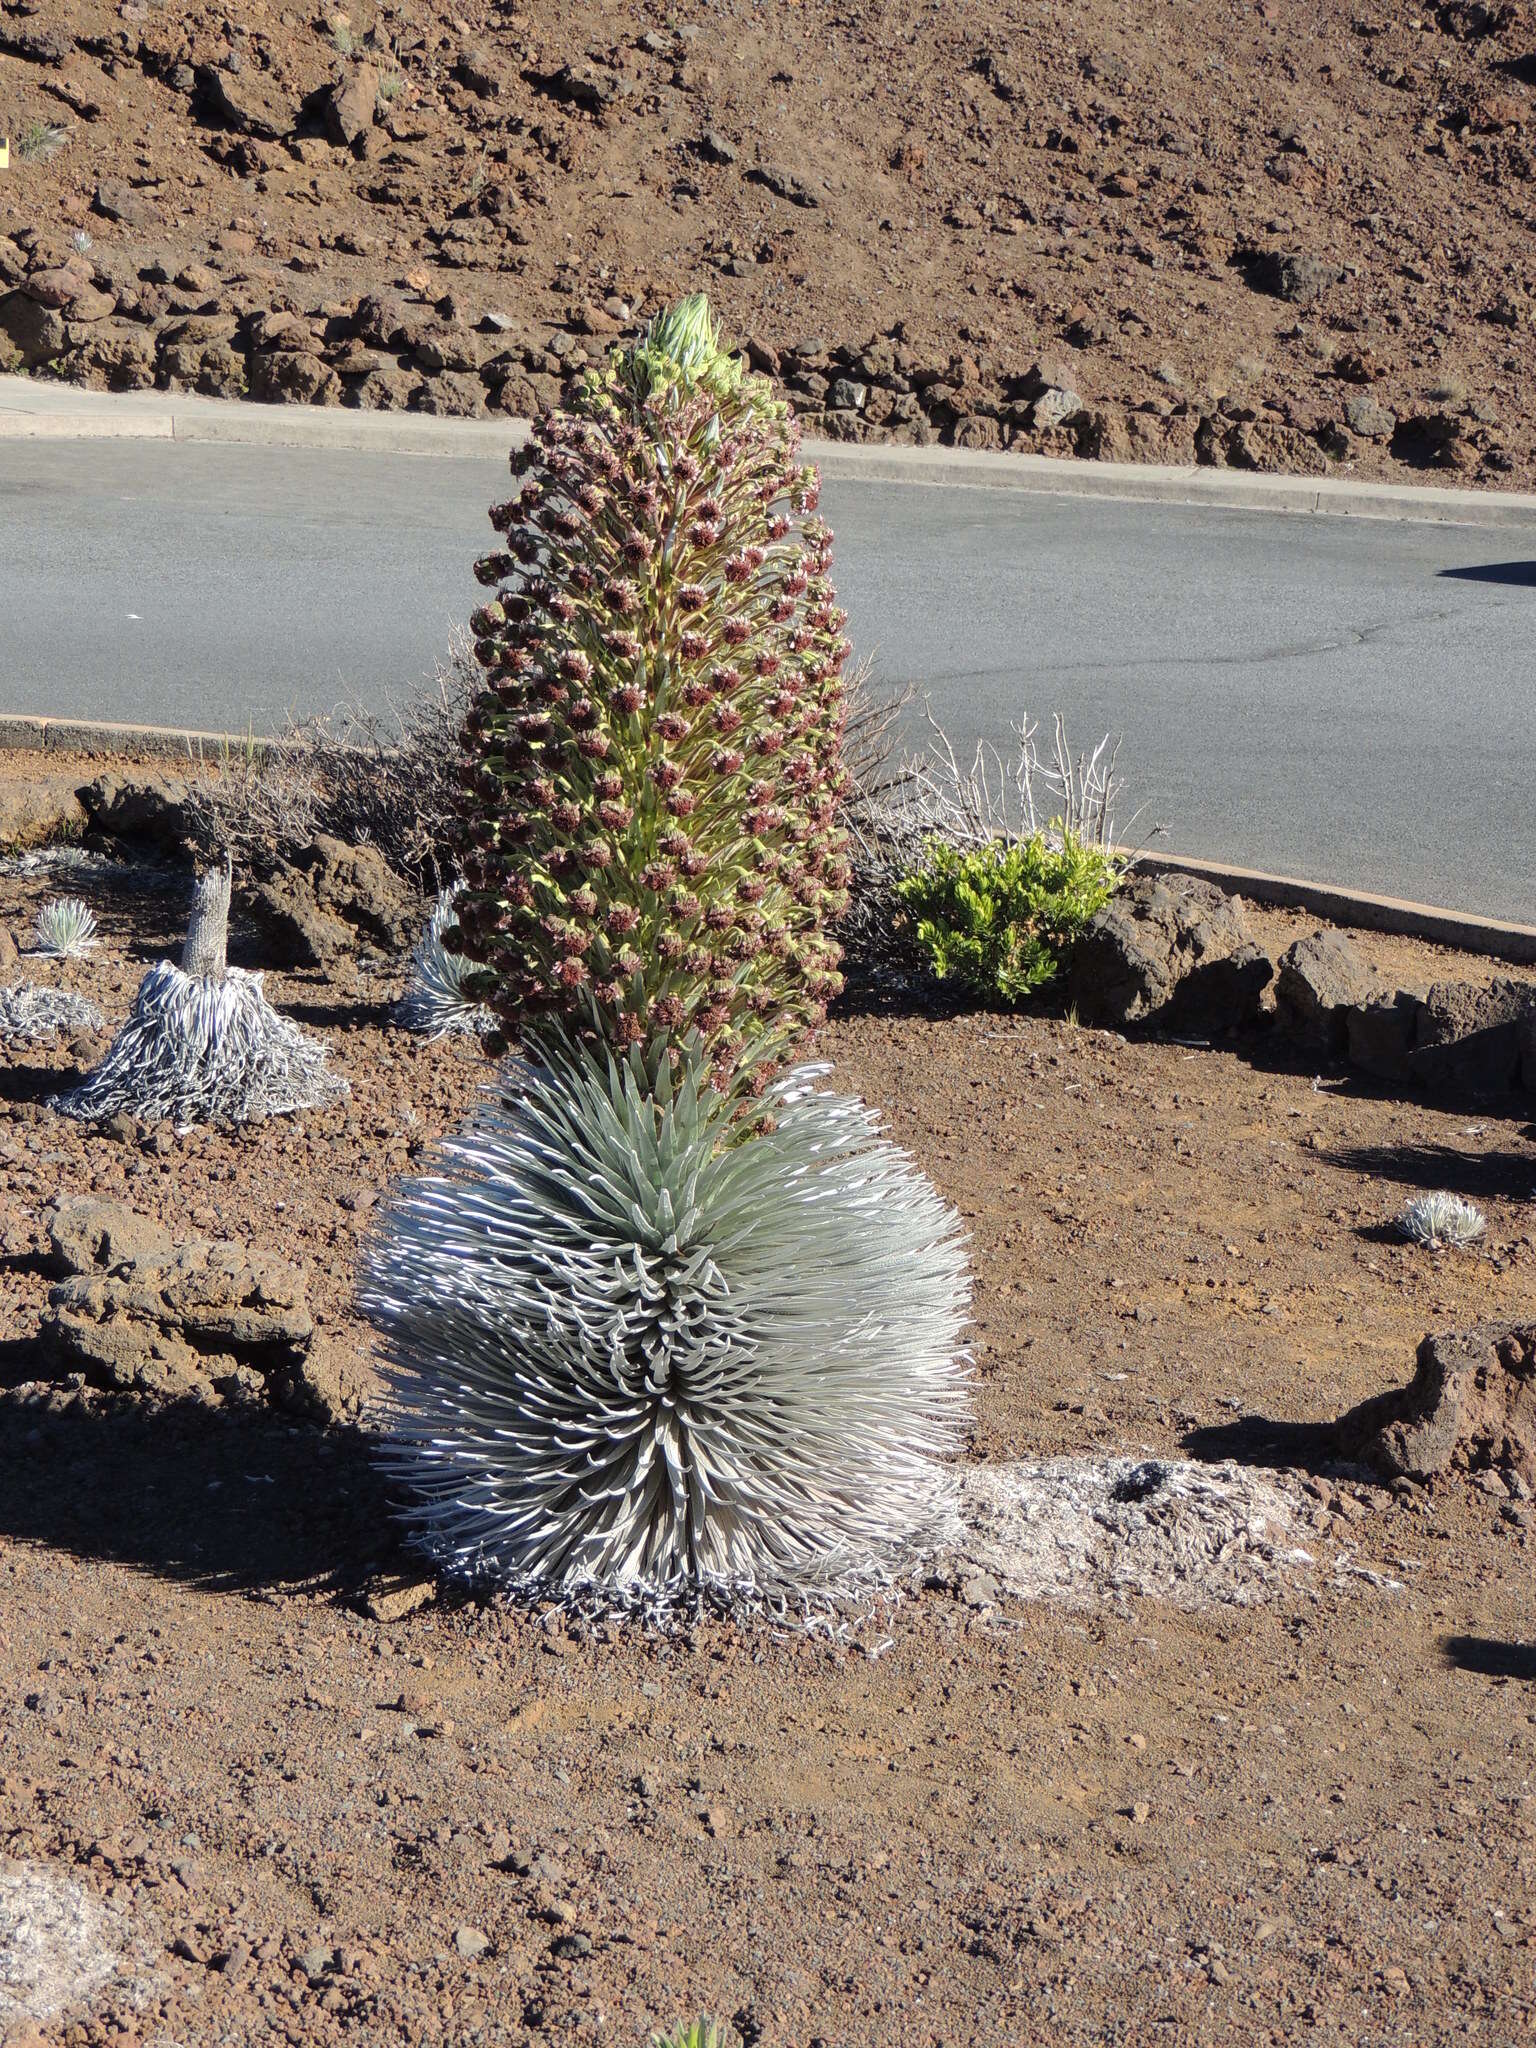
point(651, 777)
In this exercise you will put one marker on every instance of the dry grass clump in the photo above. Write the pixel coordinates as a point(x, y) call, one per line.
point(383, 779)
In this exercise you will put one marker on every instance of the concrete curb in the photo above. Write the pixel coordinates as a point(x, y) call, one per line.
point(1358, 909)
point(1352, 908)
point(23, 734)
point(34, 409)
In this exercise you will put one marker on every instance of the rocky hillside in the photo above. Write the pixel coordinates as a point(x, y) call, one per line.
point(1289, 234)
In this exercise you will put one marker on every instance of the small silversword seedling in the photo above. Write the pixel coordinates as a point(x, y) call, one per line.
point(202, 1041)
point(436, 1001)
point(699, 2033)
point(653, 772)
point(1441, 1219)
point(642, 1356)
point(65, 929)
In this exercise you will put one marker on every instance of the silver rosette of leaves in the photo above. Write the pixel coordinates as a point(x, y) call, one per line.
point(435, 1002)
point(642, 1354)
point(65, 929)
point(1441, 1218)
point(202, 1043)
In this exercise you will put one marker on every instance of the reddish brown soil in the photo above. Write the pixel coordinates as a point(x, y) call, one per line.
point(929, 201)
point(1312, 1820)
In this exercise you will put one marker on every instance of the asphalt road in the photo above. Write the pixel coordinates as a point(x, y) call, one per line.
point(1351, 700)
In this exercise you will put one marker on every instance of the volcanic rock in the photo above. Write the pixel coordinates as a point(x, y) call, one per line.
point(30, 333)
point(318, 909)
point(1380, 1034)
point(1320, 978)
point(1470, 1407)
point(248, 102)
point(141, 810)
point(137, 1314)
point(117, 200)
point(349, 104)
point(1469, 1038)
point(1152, 934)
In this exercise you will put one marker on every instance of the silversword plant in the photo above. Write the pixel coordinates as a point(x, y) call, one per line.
point(203, 1043)
point(1440, 1219)
point(640, 1353)
point(65, 929)
point(437, 1001)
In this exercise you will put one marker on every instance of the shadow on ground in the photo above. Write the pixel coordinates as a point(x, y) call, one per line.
point(1496, 1176)
point(1261, 1440)
point(20, 1084)
point(1520, 573)
point(342, 1016)
point(1491, 1657)
point(233, 1502)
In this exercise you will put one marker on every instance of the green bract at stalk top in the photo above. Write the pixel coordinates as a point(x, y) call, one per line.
point(680, 351)
point(652, 774)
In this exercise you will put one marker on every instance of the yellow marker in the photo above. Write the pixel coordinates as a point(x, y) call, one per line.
point(5, 152)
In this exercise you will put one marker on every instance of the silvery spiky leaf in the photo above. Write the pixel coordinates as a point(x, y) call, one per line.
point(435, 1002)
point(196, 1048)
point(640, 1355)
point(65, 928)
point(1441, 1219)
point(38, 1014)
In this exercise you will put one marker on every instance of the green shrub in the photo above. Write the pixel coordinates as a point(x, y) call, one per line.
point(1002, 917)
point(652, 774)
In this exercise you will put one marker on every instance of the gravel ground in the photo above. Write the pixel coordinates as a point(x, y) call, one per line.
point(1310, 1817)
point(1287, 237)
